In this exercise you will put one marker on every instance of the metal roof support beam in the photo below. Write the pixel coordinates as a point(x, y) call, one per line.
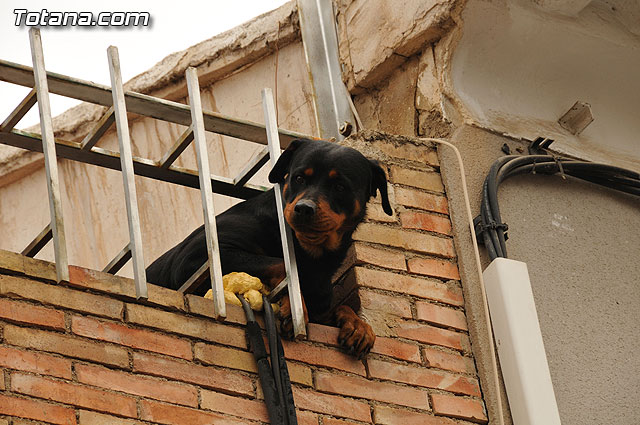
point(20, 111)
point(39, 242)
point(119, 260)
point(126, 161)
point(50, 159)
point(98, 131)
point(250, 170)
point(210, 228)
point(288, 250)
point(176, 150)
point(320, 40)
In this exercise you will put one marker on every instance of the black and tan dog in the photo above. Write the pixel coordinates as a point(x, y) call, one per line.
point(326, 188)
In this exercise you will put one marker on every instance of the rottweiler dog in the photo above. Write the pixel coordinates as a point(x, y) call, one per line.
point(325, 187)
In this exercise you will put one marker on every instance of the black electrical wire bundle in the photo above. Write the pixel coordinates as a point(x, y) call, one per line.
point(490, 229)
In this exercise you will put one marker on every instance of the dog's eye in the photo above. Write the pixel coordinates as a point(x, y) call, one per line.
point(339, 187)
point(299, 179)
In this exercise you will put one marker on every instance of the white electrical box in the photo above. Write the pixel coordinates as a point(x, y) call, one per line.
point(523, 359)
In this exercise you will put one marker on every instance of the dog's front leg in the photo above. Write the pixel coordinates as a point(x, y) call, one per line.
point(356, 335)
point(286, 323)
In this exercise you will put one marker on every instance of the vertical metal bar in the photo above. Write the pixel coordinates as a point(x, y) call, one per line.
point(50, 159)
point(290, 264)
point(126, 163)
point(211, 231)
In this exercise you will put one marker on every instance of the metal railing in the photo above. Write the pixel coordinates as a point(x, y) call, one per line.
point(119, 103)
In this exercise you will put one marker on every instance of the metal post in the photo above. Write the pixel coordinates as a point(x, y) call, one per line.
point(126, 162)
point(320, 41)
point(50, 159)
point(211, 231)
point(290, 264)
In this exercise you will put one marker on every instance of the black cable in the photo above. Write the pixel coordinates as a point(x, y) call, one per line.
point(489, 226)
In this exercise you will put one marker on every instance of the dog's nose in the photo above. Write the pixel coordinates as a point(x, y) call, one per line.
point(305, 208)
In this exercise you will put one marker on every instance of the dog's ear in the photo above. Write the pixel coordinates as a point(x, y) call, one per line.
point(379, 183)
point(280, 170)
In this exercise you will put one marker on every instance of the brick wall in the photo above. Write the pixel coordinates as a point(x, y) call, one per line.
point(85, 352)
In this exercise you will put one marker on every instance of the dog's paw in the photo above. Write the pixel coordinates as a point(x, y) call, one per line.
point(356, 336)
point(286, 322)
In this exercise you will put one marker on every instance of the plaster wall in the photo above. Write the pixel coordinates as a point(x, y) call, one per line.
point(519, 66)
point(581, 248)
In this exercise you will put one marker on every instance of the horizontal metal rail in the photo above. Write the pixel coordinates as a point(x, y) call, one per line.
point(144, 105)
point(141, 166)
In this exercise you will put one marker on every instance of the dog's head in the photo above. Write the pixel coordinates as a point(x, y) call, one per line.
point(326, 188)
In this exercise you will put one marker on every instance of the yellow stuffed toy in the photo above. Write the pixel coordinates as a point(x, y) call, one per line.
point(250, 287)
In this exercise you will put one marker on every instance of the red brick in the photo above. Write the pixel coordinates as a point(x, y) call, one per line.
point(432, 335)
point(376, 213)
point(427, 180)
point(424, 288)
point(60, 296)
point(171, 414)
point(385, 415)
point(106, 282)
point(381, 391)
point(74, 394)
point(18, 263)
point(389, 259)
point(138, 385)
point(135, 338)
point(209, 377)
point(434, 267)
point(449, 361)
point(306, 417)
point(93, 418)
point(236, 406)
point(324, 334)
point(440, 315)
point(334, 421)
point(388, 304)
point(397, 349)
point(386, 346)
point(458, 407)
point(332, 405)
point(322, 356)
point(423, 377)
point(421, 153)
point(243, 360)
point(425, 221)
point(30, 361)
point(406, 239)
point(209, 330)
point(16, 311)
point(66, 345)
point(204, 307)
point(35, 409)
point(422, 200)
